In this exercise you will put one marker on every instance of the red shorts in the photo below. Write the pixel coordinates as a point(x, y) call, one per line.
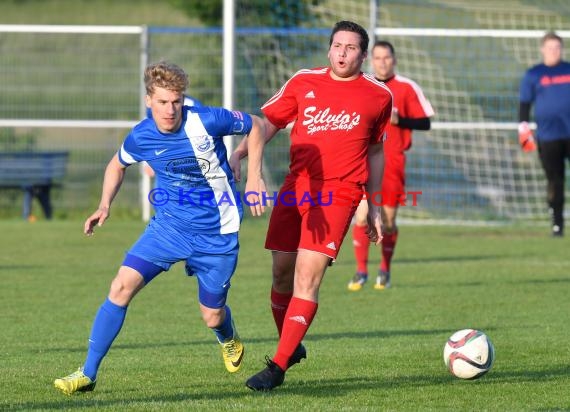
point(394, 180)
point(307, 216)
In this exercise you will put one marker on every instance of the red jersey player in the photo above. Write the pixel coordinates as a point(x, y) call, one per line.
point(339, 116)
point(411, 111)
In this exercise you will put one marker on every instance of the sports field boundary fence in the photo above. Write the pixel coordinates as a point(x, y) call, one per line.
point(79, 88)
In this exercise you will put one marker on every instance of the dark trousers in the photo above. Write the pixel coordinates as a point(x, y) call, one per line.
point(42, 193)
point(553, 155)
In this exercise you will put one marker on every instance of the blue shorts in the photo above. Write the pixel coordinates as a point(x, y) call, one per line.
point(211, 257)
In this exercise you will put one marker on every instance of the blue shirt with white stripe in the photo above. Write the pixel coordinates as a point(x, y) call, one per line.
point(548, 88)
point(195, 189)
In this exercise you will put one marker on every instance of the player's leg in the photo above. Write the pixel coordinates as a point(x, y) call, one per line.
point(302, 308)
point(283, 271)
point(389, 240)
point(309, 271)
point(323, 230)
point(106, 326)
point(27, 204)
point(393, 195)
point(285, 218)
point(281, 295)
point(361, 244)
point(213, 261)
point(552, 157)
point(148, 257)
point(111, 314)
point(44, 197)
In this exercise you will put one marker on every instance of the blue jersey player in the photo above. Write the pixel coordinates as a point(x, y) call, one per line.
point(197, 217)
point(546, 86)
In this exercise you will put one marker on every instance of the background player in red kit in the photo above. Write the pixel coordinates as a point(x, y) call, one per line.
point(339, 116)
point(411, 111)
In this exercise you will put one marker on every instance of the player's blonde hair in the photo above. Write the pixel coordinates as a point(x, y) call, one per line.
point(165, 75)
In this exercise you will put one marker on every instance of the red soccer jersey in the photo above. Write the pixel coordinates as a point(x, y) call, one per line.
point(335, 121)
point(410, 102)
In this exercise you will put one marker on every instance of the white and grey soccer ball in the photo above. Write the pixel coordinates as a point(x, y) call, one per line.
point(469, 354)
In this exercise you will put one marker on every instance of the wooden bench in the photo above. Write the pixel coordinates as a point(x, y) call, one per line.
point(35, 173)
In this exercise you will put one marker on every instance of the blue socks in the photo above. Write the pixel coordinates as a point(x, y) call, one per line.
point(108, 323)
point(225, 331)
point(106, 327)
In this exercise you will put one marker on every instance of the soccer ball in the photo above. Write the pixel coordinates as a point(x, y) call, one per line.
point(468, 354)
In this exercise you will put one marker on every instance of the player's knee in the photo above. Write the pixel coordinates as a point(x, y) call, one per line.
point(283, 281)
point(283, 275)
point(121, 292)
point(360, 220)
point(118, 293)
point(212, 317)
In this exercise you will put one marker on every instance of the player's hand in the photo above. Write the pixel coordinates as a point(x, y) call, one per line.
point(96, 219)
point(526, 139)
point(374, 220)
point(394, 117)
point(254, 195)
point(235, 165)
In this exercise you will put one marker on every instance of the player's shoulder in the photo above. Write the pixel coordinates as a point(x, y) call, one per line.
point(406, 85)
point(146, 125)
point(214, 111)
point(306, 74)
point(565, 65)
point(192, 101)
point(536, 70)
point(315, 71)
point(375, 84)
point(406, 81)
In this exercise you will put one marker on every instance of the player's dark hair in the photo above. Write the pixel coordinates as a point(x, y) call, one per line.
point(385, 44)
point(165, 75)
point(551, 35)
point(346, 25)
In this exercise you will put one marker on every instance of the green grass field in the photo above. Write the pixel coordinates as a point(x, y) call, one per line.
point(368, 350)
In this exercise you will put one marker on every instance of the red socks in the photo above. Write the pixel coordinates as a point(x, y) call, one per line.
point(297, 321)
point(279, 305)
point(361, 243)
point(388, 247)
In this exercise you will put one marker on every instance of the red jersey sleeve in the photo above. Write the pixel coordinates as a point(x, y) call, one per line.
point(281, 109)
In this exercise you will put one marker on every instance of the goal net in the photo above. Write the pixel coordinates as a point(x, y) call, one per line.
point(78, 88)
point(468, 57)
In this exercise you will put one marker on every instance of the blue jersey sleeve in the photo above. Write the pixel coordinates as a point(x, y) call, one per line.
point(222, 122)
point(129, 152)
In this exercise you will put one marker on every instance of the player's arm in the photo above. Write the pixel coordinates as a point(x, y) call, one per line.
point(527, 96)
point(420, 123)
point(240, 152)
point(114, 175)
point(263, 130)
point(526, 138)
point(524, 112)
point(374, 185)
